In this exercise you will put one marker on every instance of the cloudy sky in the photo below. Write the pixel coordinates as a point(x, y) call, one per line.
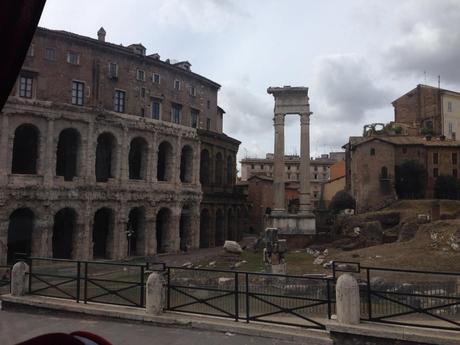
point(356, 56)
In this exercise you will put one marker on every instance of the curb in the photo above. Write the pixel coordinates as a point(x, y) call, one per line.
point(287, 333)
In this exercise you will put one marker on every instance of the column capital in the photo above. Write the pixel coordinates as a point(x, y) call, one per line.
point(278, 119)
point(305, 118)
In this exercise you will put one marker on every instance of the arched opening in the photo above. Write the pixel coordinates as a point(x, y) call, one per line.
point(165, 162)
point(163, 224)
point(204, 167)
point(204, 229)
point(20, 230)
point(230, 171)
point(186, 164)
point(384, 173)
point(63, 233)
point(105, 157)
point(230, 226)
point(102, 232)
point(136, 232)
point(137, 159)
point(25, 150)
point(219, 169)
point(185, 229)
point(220, 228)
point(67, 154)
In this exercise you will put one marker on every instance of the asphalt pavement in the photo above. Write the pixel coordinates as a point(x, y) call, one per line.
point(18, 326)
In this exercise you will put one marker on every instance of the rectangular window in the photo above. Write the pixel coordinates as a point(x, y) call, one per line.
point(454, 158)
point(175, 113)
point(289, 167)
point(435, 158)
point(143, 92)
point(177, 85)
point(30, 51)
point(156, 107)
point(208, 124)
point(25, 87)
point(315, 168)
point(156, 78)
point(262, 166)
point(194, 118)
point(451, 128)
point(113, 70)
point(252, 166)
point(454, 173)
point(435, 172)
point(78, 89)
point(50, 54)
point(192, 91)
point(119, 101)
point(142, 112)
point(140, 75)
point(449, 107)
point(73, 58)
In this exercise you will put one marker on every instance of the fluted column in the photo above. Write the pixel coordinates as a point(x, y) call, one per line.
point(278, 165)
point(305, 197)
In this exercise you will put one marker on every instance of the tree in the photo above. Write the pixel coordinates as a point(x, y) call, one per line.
point(446, 187)
point(410, 180)
point(341, 200)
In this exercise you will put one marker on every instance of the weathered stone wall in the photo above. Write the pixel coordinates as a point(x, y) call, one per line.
point(370, 189)
point(45, 194)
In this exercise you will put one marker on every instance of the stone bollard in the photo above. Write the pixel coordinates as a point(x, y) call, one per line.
point(155, 293)
point(19, 279)
point(347, 300)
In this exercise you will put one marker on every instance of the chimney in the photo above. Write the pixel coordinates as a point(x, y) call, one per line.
point(101, 34)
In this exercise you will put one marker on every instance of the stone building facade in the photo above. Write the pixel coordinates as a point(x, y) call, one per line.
point(100, 151)
point(319, 170)
point(372, 163)
point(429, 110)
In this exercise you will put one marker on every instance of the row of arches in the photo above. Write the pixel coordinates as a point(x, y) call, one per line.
point(25, 156)
point(216, 228)
point(212, 169)
point(66, 233)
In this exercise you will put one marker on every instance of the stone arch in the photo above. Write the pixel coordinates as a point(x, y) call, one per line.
point(106, 157)
point(103, 226)
point(230, 170)
point(204, 228)
point(67, 154)
point(64, 229)
point(231, 225)
point(165, 166)
point(205, 166)
point(185, 229)
point(25, 149)
point(163, 227)
point(219, 172)
point(220, 228)
point(20, 229)
point(138, 150)
point(186, 164)
point(136, 232)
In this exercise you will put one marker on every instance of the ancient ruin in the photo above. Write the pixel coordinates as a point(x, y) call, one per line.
point(289, 101)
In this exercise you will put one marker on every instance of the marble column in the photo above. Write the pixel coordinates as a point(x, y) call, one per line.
point(304, 195)
point(278, 166)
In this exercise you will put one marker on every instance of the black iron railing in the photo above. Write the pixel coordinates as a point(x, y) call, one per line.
point(271, 298)
point(407, 297)
point(5, 279)
point(90, 281)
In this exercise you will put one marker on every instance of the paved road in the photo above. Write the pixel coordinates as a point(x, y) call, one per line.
point(19, 326)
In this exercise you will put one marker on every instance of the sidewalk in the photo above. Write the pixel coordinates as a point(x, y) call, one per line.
point(177, 320)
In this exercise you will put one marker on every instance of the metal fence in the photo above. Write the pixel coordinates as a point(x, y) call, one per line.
point(247, 296)
point(5, 279)
point(89, 281)
point(407, 297)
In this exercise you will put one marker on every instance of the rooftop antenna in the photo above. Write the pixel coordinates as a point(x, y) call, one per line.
point(439, 81)
point(424, 72)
